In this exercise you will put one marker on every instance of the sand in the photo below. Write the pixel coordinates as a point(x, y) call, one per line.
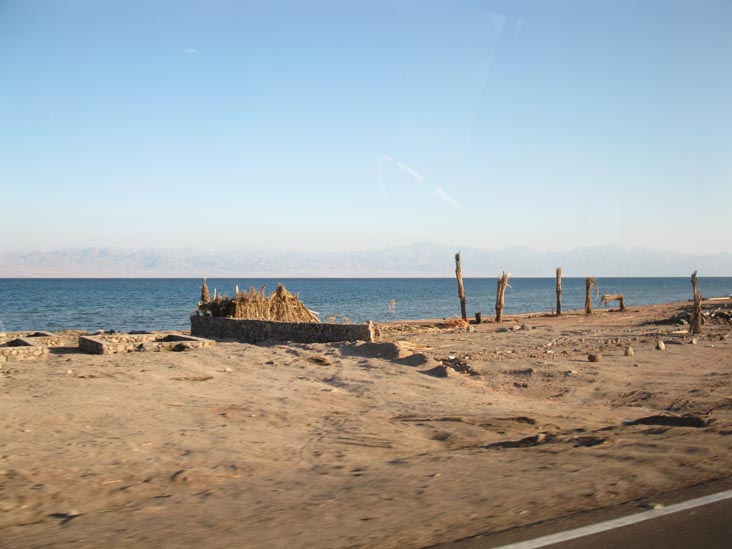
point(362, 445)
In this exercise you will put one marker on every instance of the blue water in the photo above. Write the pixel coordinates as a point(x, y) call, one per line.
point(165, 304)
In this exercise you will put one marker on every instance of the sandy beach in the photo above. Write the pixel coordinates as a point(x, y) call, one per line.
point(363, 444)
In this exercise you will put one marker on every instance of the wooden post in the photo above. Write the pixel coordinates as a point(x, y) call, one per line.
point(559, 291)
point(590, 282)
point(461, 288)
point(500, 295)
point(695, 326)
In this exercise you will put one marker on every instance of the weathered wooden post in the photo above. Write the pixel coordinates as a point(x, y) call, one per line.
point(559, 291)
point(590, 282)
point(461, 288)
point(695, 326)
point(500, 295)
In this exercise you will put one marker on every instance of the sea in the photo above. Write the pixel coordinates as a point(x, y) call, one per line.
point(125, 304)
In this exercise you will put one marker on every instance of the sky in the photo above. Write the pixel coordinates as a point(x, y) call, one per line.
point(336, 126)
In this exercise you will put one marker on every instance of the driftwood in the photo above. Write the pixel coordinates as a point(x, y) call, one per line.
point(614, 297)
point(461, 288)
point(695, 326)
point(559, 291)
point(501, 295)
point(590, 282)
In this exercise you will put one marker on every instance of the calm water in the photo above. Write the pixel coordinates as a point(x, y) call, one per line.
point(165, 304)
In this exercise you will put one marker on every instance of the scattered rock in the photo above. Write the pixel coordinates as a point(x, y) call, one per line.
point(629, 351)
point(541, 438)
point(437, 371)
point(694, 341)
point(594, 357)
point(671, 421)
point(524, 372)
point(660, 345)
point(459, 365)
point(228, 370)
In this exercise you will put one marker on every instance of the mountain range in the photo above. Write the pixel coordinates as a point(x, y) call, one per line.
point(416, 260)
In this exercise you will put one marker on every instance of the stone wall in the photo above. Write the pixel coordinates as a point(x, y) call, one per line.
point(107, 344)
point(256, 331)
point(37, 338)
point(21, 349)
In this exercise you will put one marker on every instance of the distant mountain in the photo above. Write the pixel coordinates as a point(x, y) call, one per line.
point(417, 260)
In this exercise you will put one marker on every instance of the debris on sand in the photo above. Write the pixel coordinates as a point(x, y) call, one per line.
point(459, 365)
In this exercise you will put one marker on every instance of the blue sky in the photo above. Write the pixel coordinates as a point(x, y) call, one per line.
point(354, 125)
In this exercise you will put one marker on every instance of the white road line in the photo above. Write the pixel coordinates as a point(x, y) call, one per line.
point(618, 523)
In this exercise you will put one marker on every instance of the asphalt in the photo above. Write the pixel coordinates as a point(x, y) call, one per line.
point(708, 526)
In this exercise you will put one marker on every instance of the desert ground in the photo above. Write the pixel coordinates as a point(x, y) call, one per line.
point(364, 444)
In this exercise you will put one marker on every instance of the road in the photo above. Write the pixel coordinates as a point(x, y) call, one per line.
point(704, 521)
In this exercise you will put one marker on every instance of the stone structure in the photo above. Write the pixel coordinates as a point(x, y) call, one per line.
point(256, 331)
point(107, 344)
point(22, 348)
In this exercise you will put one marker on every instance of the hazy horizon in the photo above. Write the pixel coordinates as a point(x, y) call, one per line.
point(419, 260)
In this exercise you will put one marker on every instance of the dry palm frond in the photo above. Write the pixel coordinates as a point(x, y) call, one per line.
point(253, 304)
point(457, 322)
point(205, 298)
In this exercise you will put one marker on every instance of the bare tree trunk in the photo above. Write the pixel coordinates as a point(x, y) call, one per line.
point(461, 288)
point(590, 282)
point(559, 291)
point(696, 315)
point(500, 295)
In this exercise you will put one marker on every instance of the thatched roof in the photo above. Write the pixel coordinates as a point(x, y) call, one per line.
point(253, 304)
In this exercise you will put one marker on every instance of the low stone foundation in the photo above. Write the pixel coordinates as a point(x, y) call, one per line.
point(107, 344)
point(19, 349)
point(256, 331)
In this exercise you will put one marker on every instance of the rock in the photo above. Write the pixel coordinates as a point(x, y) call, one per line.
point(629, 351)
point(437, 371)
point(228, 370)
point(660, 345)
point(694, 341)
point(594, 357)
